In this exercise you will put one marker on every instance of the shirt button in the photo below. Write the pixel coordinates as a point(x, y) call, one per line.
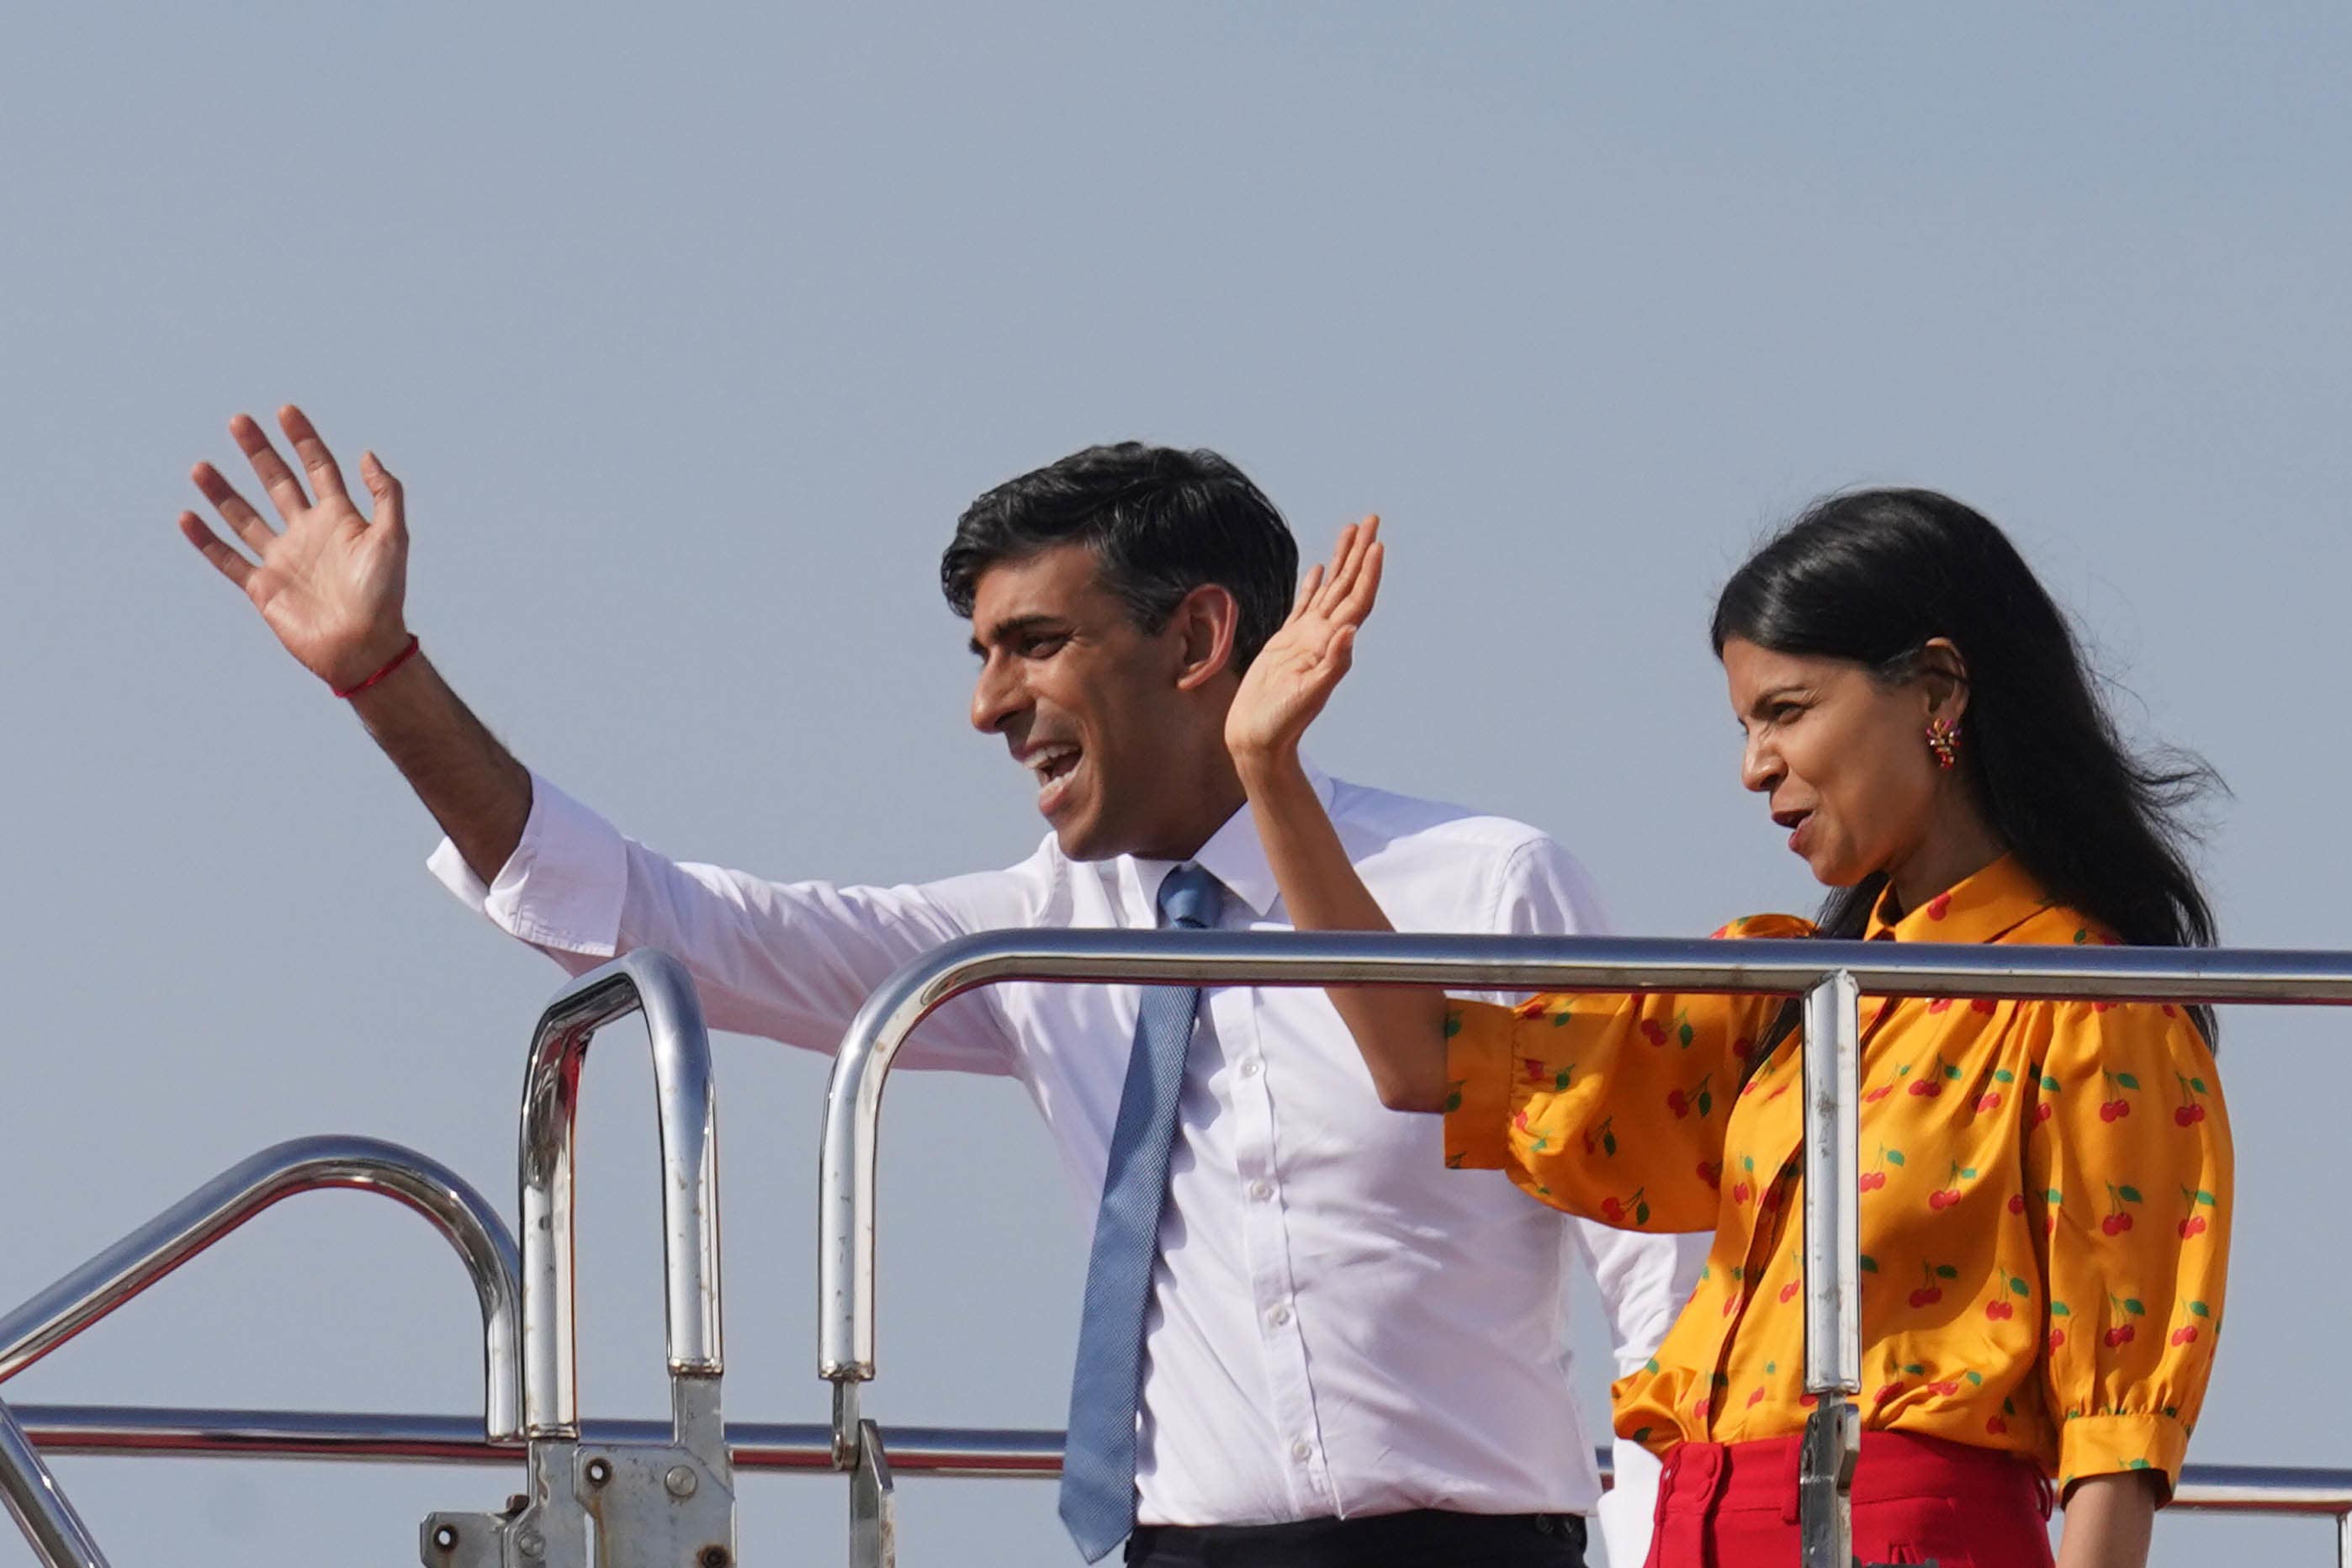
point(1278, 1317)
point(1300, 1448)
point(1249, 1067)
point(1261, 1189)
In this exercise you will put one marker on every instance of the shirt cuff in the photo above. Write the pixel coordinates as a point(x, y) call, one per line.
point(2106, 1445)
point(1478, 1079)
point(563, 885)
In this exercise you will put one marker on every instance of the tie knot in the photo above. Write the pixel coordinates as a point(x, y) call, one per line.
point(1190, 898)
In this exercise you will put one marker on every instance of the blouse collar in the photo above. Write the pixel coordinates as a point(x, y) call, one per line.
point(1983, 907)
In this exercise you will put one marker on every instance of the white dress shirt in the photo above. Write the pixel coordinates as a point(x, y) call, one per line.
point(1339, 1325)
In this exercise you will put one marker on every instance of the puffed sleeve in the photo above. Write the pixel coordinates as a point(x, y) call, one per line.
point(2128, 1170)
point(1609, 1106)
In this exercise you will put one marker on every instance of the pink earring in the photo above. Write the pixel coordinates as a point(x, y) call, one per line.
point(1943, 740)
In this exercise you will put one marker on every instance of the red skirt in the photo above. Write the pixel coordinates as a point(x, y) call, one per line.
point(1915, 1499)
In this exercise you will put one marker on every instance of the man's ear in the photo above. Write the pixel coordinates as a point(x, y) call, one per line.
point(1203, 630)
point(1944, 675)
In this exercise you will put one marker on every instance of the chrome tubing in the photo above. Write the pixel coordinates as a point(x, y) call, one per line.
point(1832, 1446)
point(1833, 1089)
point(687, 1105)
point(40, 1508)
point(847, 1174)
point(781, 1447)
point(229, 1200)
point(806, 1449)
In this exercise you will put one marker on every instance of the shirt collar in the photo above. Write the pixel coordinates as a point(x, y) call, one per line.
point(1233, 856)
point(1984, 907)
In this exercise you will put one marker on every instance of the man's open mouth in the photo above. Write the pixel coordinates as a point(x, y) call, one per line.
point(1052, 766)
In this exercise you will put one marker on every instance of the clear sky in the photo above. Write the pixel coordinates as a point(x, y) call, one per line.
point(690, 334)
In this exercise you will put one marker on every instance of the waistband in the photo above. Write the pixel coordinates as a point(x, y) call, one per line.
point(1413, 1528)
point(1728, 1477)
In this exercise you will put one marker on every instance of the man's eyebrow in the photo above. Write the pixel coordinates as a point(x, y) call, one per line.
point(1005, 630)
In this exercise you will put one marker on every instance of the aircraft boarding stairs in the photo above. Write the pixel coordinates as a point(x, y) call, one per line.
point(638, 1494)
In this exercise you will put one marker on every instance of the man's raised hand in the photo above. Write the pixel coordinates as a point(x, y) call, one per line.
point(1295, 674)
point(332, 583)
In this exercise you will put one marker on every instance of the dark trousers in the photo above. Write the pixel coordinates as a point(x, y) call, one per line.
point(1427, 1538)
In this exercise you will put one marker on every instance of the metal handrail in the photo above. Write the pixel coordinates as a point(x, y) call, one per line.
point(1830, 976)
point(806, 1449)
point(527, 1293)
point(198, 1222)
point(853, 1098)
point(687, 1105)
point(805, 1446)
point(38, 1505)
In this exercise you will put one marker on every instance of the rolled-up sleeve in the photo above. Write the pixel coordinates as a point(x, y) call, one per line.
point(561, 890)
point(792, 961)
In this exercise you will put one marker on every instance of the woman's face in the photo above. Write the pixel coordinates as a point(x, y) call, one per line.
point(1840, 757)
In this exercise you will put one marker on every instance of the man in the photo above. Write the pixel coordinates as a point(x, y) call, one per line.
point(1305, 1342)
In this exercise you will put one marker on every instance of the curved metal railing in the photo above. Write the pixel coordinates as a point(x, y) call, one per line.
point(202, 1219)
point(530, 1359)
point(1830, 976)
point(527, 1294)
point(687, 1107)
point(672, 1499)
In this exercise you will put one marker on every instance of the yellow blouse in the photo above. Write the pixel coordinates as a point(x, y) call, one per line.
point(2045, 1206)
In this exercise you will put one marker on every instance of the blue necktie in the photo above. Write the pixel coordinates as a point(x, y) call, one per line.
point(1098, 1459)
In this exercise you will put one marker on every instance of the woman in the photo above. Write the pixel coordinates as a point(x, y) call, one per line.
point(2046, 1185)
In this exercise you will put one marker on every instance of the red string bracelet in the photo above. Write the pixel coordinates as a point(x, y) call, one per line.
point(403, 657)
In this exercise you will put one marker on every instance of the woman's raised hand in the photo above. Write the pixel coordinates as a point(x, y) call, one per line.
point(332, 583)
point(1294, 675)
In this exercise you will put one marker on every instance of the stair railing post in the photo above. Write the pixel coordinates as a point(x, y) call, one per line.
point(1832, 1278)
point(669, 1502)
point(38, 1505)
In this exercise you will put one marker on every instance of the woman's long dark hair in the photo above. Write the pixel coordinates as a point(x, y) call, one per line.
point(1871, 576)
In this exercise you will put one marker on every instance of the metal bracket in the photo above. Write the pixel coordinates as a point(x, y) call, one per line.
point(872, 1504)
point(1831, 1448)
point(469, 1540)
point(655, 1505)
point(663, 1505)
point(537, 1530)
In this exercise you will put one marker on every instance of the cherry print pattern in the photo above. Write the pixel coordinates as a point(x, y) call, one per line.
point(2009, 1150)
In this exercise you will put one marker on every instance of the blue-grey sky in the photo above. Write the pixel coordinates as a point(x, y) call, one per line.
point(691, 334)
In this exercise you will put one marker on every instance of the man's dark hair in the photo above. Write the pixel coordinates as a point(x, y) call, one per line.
point(1161, 523)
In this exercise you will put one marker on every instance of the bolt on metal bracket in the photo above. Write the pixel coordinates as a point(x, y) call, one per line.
point(663, 1505)
point(543, 1529)
point(655, 1505)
